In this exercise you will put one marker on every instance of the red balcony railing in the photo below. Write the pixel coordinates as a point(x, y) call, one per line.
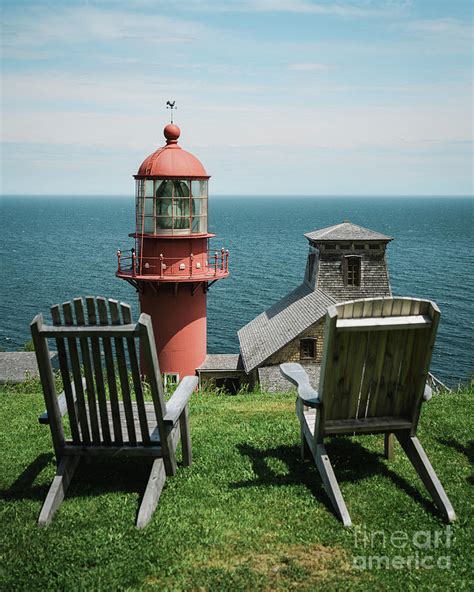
point(129, 263)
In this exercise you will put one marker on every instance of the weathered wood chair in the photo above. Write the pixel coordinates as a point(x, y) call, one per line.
point(376, 357)
point(100, 420)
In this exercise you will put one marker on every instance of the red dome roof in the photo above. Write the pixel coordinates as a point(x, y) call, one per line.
point(171, 160)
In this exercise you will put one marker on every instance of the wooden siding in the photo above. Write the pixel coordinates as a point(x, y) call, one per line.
point(374, 275)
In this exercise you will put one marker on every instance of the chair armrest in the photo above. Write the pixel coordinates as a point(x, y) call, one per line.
point(296, 374)
point(43, 418)
point(179, 399)
point(428, 393)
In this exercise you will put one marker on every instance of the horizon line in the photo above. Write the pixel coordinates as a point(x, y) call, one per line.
point(263, 195)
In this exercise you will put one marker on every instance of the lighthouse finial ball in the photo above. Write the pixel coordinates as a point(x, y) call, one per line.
point(172, 133)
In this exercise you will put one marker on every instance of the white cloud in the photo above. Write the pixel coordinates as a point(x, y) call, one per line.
point(447, 35)
point(309, 67)
point(354, 8)
point(442, 26)
point(72, 25)
point(254, 126)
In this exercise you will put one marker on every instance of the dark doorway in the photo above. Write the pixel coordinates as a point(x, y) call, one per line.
point(229, 385)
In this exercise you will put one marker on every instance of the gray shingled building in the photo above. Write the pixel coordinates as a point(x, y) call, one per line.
point(344, 262)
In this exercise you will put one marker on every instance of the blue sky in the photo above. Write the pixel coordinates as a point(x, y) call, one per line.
point(285, 97)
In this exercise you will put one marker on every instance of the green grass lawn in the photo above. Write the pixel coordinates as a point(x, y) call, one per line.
point(248, 515)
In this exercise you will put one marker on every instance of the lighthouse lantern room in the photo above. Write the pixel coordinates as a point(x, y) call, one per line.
point(171, 265)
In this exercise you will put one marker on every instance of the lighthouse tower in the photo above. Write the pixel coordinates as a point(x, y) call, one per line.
point(170, 265)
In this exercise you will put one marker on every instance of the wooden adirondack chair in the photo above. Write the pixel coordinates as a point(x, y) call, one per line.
point(376, 358)
point(101, 421)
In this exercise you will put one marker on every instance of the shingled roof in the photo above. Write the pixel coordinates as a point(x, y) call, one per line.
point(281, 323)
point(346, 231)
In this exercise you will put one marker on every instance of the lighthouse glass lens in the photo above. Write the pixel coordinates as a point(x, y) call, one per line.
point(181, 207)
point(164, 207)
point(181, 188)
point(181, 224)
point(181, 213)
point(164, 189)
point(173, 206)
point(164, 212)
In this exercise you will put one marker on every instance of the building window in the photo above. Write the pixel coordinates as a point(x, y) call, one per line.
point(308, 349)
point(353, 265)
point(359, 247)
point(170, 381)
point(373, 247)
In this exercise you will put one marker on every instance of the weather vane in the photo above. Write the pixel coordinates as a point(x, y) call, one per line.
point(170, 105)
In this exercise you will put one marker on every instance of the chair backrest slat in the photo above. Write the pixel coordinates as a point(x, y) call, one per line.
point(335, 384)
point(123, 373)
point(378, 393)
point(383, 393)
point(377, 368)
point(363, 365)
point(345, 373)
point(134, 367)
point(88, 373)
point(66, 378)
point(98, 373)
point(111, 378)
point(77, 378)
point(357, 374)
point(403, 355)
point(372, 349)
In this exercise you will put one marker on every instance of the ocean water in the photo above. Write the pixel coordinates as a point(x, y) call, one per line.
point(57, 248)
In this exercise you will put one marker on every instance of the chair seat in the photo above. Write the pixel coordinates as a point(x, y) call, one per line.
point(362, 426)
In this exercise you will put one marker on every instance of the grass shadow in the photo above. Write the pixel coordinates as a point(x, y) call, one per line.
point(22, 487)
point(352, 463)
point(467, 451)
point(297, 474)
point(92, 477)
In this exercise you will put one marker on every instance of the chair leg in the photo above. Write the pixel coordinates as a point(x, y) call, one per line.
point(417, 456)
point(305, 450)
point(152, 494)
point(330, 482)
point(170, 456)
point(64, 472)
point(185, 437)
point(389, 441)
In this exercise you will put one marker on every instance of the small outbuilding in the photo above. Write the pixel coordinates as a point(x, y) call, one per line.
point(344, 262)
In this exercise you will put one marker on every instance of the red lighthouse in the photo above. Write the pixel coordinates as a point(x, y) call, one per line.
point(171, 266)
